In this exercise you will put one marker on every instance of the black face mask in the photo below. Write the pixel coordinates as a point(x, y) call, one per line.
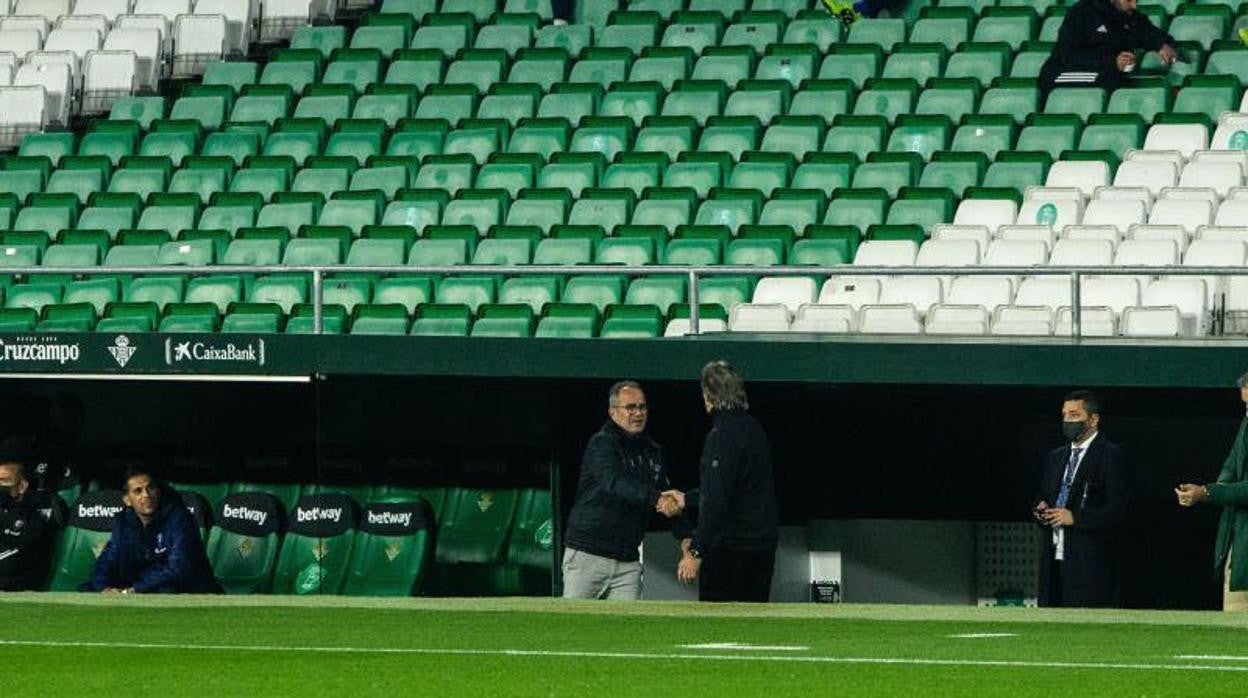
point(1073, 430)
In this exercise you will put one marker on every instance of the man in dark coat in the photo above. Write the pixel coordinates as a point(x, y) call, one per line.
point(1097, 45)
point(26, 535)
point(155, 547)
point(1083, 503)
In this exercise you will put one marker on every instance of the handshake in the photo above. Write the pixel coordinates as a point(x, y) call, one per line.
point(670, 503)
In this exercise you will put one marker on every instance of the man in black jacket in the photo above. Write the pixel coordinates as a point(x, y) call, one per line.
point(622, 484)
point(1097, 44)
point(1083, 504)
point(733, 552)
point(25, 533)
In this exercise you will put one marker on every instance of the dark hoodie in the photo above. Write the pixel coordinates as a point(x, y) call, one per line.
point(1092, 35)
point(165, 557)
point(621, 478)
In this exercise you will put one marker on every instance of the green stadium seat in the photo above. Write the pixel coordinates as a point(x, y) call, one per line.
point(1009, 96)
point(438, 253)
point(81, 183)
point(1116, 133)
point(634, 31)
point(316, 550)
point(824, 253)
point(755, 252)
point(434, 320)
point(916, 61)
point(409, 292)
point(1051, 133)
point(985, 134)
point(208, 111)
point(86, 533)
point(599, 292)
point(954, 171)
point(856, 63)
point(887, 98)
point(568, 321)
point(385, 38)
point(860, 135)
point(1200, 23)
point(515, 321)
point(543, 213)
point(253, 318)
point(380, 320)
point(949, 26)
point(860, 208)
point(253, 252)
point(113, 146)
point(419, 68)
point(471, 291)
point(53, 146)
point(1145, 100)
point(392, 550)
point(920, 134)
point(764, 99)
point(632, 322)
point(449, 173)
point(1080, 101)
point(474, 528)
point(530, 549)
point(447, 39)
point(728, 64)
point(884, 33)
point(1208, 95)
point(888, 171)
point(820, 30)
point(1018, 170)
point(326, 39)
point(1010, 25)
point(158, 291)
point(480, 68)
point(416, 214)
point(543, 67)
point(983, 62)
point(144, 110)
point(952, 98)
point(232, 74)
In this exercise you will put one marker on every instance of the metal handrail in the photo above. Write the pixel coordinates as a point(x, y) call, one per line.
point(318, 272)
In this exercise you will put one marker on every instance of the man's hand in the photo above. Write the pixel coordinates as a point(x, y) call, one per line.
point(1038, 512)
point(670, 503)
point(687, 570)
point(1058, 516)
point(1167, 54)
point(1191, 495)
point(1126, 61)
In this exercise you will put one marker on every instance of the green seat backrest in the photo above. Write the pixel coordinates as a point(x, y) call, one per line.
point(317, 547)
point(392, 548)
point(475, 526)
point(243, 545)
point(532, 535)
point(87, 532)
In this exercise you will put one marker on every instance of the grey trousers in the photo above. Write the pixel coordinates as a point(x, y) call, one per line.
point(587, 576)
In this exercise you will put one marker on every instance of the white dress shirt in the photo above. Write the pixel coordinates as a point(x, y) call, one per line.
point(1059, 532)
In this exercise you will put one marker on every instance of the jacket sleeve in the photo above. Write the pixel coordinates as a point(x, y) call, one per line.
point(29, 548)
point(1041, 492)
point(1228, 491)
point(1148, 35)
point(600, 460)
point(1113, 512)
point(106, 565)
point(179, 565)
point(714, 492)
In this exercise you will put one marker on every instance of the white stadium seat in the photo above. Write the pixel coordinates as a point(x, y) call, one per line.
point(1186, 214)
point(1113, 292)
point(197, 41)
point(789, 291)
point(1146, 253)
point(1047, 291)
point(948, 253)
point(1085, 176)
point(991, 213)
point(107, 75)
point(1156, 321)
point(886, 253)
point(1108, 233)
point(890, 319)
point(1082, 253)
point(1188, 294)
point(1034, 233)
point(958, 319)
point(169, 9)
point(55, 80)
point(1153, 175)
point(1232, 212)
point(1229, 125)
point(237, 15)
point(51, 9)
point(146, 46)
point(281, 17)
point(825, 318)
point(854, 291)
point(39, 24)
point(978, 233)
point(1016, 253)
point(1018, 320)
point(109, 9)
point(1093, 322)
point(97, 23)
point(679, 327)
point(1223, 232)
point(22, 111)
point(1054, 213)
point(751, 317)
point(20, 42)
point(1218, 176)
point(1120, 213)
point(1185, 138)
point(986, 291)
point(1176, 233)
point(920, 292)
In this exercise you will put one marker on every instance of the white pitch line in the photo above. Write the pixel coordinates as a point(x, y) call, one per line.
point(910, 661)
point(746, 647)
point(980, 636)
point(1213, 657)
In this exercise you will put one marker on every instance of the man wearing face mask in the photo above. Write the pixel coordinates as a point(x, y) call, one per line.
point(25, 533)
point(1083, 502)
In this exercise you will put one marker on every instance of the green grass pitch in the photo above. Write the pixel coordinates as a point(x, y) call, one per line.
point(67, 644)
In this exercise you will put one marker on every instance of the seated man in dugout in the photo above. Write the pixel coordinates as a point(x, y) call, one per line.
point(155, 546)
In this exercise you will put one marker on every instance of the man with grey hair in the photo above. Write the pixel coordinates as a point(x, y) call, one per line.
point(732, 553)
point(623, 483)
point(1230, 492)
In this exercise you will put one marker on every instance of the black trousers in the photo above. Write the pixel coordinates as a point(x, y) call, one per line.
point(735, 574)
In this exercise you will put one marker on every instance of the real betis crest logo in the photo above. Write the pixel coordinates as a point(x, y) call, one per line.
point(121, 350)
point(544, 536)
point(244, 548)
point(98, 548)
point(485, 501)
point(392, 551)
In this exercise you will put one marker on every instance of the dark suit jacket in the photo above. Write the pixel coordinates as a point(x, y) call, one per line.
point(1100, 503)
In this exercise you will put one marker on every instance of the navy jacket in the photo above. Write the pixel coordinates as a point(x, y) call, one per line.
point(735, 503)
point(1100, 502)
point(1092, 35)
point(165, 557)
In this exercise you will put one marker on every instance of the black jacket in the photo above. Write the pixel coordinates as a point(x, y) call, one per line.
point(621, 478)
point(1090, 39)
point(735, 501)
point(26, 538)
point(165, 557)
point(1100, 503)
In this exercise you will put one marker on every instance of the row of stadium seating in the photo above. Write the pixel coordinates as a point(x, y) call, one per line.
point(385, 543)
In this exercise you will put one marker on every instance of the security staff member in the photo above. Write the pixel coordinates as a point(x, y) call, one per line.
point(1097, 44)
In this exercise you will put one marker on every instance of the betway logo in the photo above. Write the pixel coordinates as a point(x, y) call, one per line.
point(318, 514)
point(389, 518)
point(97, 511)
point(60, 353)
point(245, 514)
point(177, 352)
